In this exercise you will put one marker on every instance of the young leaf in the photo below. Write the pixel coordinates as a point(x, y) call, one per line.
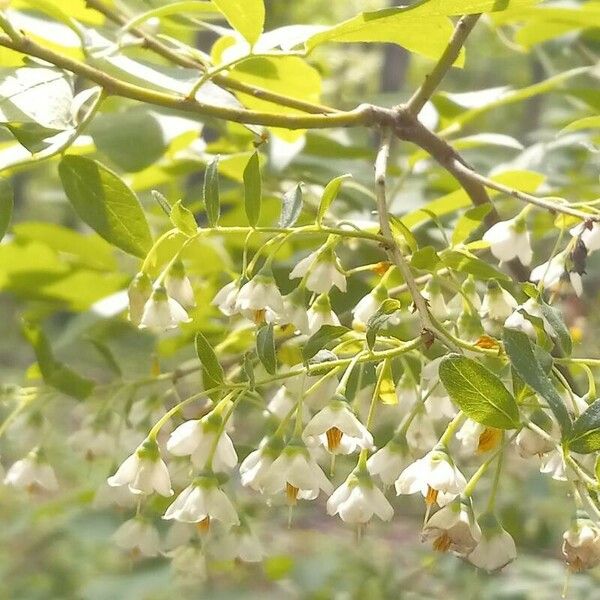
point(161, 201)
point(524, 361)
point(375, 323)
point(210, 363)
point(386, 388)
point(425, 259)
point(211, 192)
point(561, 336)
point(265, 348)
point(253, 189)
point(469, 222)
point(585, 435)
point(103, 201)
point(478, 392)
point(321, 338)
point(245, 16)
point(6, 205)
point(55, 373)
point(291, 207)
point(464, 262)
point(329, 195)
point(183, 219)
point(400, 230)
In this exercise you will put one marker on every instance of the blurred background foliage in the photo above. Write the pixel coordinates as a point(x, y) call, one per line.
point(54, 271)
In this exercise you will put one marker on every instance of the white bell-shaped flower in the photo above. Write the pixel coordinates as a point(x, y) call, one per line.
point(201, 502)
point(590, 235)
point(320, 314)
point(368, 305)
point(294, 310)
point(225, 298)
point(530, 443)
point(510, 239)
point(437, 305)
point(337, 428)
point(32, 473)
point(581, 544)
point(553, 464)
point(179, 287)
point(498, 304)
point(454, 528)
point(92, 442)
point(553, 272)
point(162, 313)
point(239, 543)
point(198, 438)
point(388, 462)
point(518, 321)
point(421, 435)
point(495, 549)
point(139, 537)
point(358, 499)
point(256, 465)
point(144, 472)
point(321, 270)
point(139, 292)
point(435, 476)
point(296, 472)
point(259, 295)
point(476, 438)
point(189, 564)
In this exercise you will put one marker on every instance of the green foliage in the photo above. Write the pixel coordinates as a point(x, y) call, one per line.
point(253, 189)
point(265, 348)
point(585, 434)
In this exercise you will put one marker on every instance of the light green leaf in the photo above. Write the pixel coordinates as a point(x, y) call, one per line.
point(525, 362)
point(265, 348)
point(329, 195)
point(585, 123)
point(469, 222)
point(478, 392)
point(425, 259)
point(383, 314)
point(212, 369)
point(183, 219)
point(103, 200)
point(402, 232)
point(291, 207)
point(465, 262)
point(585, 435)
point(253, 189)
point(6, 205)
point(321, 338)
point(560, 332)
point(212, 202)
point(386, 388)
point(245, 16)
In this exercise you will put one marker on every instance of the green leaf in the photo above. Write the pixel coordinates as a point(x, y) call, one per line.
point(291, 207)
point(321, 338)
point(212, 202)
point(585, 123)
point(249, 370)
point(253, 189)
point(469, 222)
point(55, 373)
point(211, 368)
point(382, 315)
point(464, 262)
point(585, 435)
point(560, 333)
point(329, 195)
point(386, 388)
point(400, 230)
point(103, 201)
point(524, 361)
point(161, 201)
point(183, 219)
point(425, 259)
point(245, 16)
point(6, 205)
point(265, 348)
point(478, 392)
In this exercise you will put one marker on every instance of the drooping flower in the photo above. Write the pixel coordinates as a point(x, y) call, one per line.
point(91, 441)
point(530, 443)
point(32, 473)
point(189, 564)
point(495, 549)
point(454, 528)
point(201, 502)
point(294, 310)
point(258, 296)
point(322, 271)
point(240, 543)
point(139, 537)
point(338, 429)
point(389, 461)
point(144, 472)
point(368, 305)
point(358, 499)
point(437, 305)
point(197, 438)
point(178, 286)
point(162, 312)
point(581, 544)
point(256, 465)
point(225, 298)
point(518, 321)
point(139, 292)
point(498, 304)
point(554, 271)
point(435, 476)
point(589, 234)
point(510, 239)
point(320, 314)
point(477, 438)
point(296, 472)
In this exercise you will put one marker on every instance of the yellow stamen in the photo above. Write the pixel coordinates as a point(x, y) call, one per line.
point(203, 525)
point(432, 495)
point(259, 316)
point(489, 439)
point(442, 543)
point(334, 437)
point(292, 493)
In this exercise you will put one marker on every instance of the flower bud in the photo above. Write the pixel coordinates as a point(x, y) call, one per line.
point(140, 290)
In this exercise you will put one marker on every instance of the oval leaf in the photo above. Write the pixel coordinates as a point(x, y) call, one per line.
point(252, 189)
point(183, 219)
point(103, 201)
point(585, 435)
point(329, 195)
point(321, 338)
point(211, 192)
point(478, 392)
point(376, 321)
point(245, 16)
point(211, 367)
point(265, 348)
point(291, 206)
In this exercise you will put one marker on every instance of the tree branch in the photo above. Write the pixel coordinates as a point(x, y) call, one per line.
point(153, 43)
point(463, 28)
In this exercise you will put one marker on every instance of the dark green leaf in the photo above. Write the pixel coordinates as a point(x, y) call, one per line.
point(211, 192)
point(55, 373)
point(329, 195)
point(375, 323)
point(291, 207)
point(560, 332)
point(183, 219)
point(253, 189)
point(478, 392)
point(103, 200)
point(6, 205)
point(265, 348)
point(321, 338)
point(213, 371)
point(521, 353)
point(585, 435)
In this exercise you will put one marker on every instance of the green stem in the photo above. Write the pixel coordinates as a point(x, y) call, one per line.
point(496, 482)
point(458, 420)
